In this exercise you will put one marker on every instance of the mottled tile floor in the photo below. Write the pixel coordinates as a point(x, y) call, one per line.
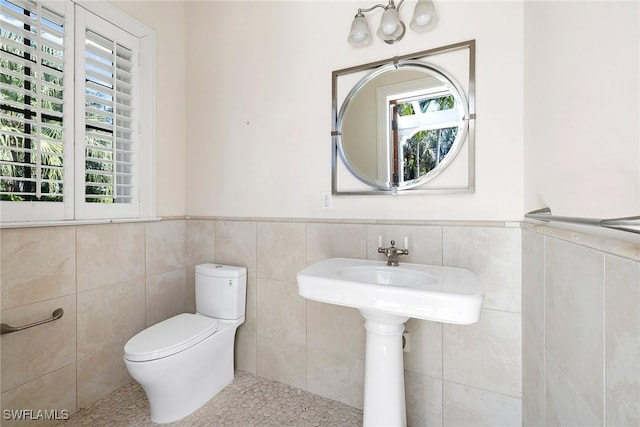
point(248, 401)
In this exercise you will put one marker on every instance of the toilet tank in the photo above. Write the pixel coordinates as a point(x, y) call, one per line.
point(221, 291)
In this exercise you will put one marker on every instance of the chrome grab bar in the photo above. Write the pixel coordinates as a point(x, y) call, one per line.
point(5, 329)
point(622, 224)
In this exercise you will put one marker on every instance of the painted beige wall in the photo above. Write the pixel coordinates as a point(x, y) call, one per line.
point(168, 19)
point(262, 138)
point(582, 107)
point(258, 108)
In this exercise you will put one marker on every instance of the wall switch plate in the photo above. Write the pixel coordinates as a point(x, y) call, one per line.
point(326, 203)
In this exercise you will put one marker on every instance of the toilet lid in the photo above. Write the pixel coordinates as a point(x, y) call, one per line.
point(169, 337)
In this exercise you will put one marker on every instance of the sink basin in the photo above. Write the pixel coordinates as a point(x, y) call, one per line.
point(442, 294)
point(387, 297)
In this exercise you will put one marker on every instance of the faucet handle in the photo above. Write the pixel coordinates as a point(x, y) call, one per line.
point(393, 243)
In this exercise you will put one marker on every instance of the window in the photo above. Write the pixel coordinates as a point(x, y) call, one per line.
point(76, 112)
point(424, 128)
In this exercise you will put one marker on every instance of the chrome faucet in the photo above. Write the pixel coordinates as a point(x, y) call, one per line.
point(392, 253)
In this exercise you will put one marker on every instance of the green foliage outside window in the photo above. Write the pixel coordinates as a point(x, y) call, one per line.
point(18, 163)
point(426, 148)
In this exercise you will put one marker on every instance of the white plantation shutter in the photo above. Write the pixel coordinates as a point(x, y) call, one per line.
point(107, 71)
point(35, 106)
point(76, 112)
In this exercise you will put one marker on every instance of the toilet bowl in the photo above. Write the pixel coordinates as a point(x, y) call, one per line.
point(184, 361)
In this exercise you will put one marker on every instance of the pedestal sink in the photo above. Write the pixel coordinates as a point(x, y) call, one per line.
point(387, 297)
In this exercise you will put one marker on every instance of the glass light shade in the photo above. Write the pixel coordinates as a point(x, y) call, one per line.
point(424, 16)
point(359, 34)
point(389, 22)
point(391, 28)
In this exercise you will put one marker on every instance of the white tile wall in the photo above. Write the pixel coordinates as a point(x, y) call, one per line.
point(468, 406)
point(108, 279)
point(622, 341)
point(533, 391)
point(574, 309)
point(485, 355)
point(581, 331)
point(549, 303)
point(330, 359)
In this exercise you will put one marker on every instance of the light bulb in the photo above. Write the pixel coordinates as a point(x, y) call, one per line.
point(390, 21)
point(391, 28)
point(358, 36)
point(423, 20)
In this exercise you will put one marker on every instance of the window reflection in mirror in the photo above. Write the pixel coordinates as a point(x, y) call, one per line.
point(421, 134)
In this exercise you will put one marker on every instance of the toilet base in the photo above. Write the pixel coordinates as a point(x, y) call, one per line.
point(179, 384)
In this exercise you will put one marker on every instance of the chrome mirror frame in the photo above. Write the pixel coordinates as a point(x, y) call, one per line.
point(414, 60)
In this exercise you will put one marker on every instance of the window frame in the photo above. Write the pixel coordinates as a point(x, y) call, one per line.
point(74, 207)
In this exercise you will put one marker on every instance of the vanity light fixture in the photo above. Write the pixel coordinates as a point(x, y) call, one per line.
point(391, 28)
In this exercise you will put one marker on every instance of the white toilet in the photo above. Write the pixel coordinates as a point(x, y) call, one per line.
point(184, 361)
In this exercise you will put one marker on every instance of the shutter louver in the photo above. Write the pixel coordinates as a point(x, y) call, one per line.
point(109, 120)
point(32, 89)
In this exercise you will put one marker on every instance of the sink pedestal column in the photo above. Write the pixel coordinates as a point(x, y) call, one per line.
point(384, 403)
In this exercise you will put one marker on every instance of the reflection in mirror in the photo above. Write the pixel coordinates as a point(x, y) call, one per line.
point(420, 135)
point(400, 125)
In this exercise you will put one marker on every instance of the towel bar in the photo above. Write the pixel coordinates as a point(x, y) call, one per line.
point(5, 329)
point(622, 224)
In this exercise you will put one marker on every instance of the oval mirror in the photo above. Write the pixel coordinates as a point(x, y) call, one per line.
point(402, 124)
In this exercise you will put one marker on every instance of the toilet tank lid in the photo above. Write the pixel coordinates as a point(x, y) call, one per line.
point(219, 270)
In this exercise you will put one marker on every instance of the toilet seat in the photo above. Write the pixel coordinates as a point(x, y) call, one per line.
point(169, 337)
